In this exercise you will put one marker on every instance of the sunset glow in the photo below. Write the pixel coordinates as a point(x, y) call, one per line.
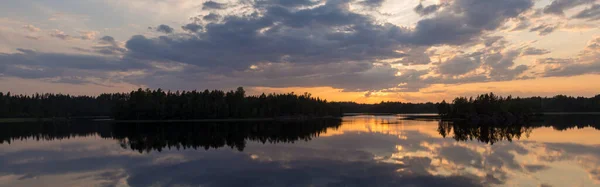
point(366, 51)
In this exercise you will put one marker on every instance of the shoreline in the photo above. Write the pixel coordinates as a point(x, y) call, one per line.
point(219, 120)
point(24, 120)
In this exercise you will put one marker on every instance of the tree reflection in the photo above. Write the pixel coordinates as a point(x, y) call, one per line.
point(483, 132)
point(496, 131)
point(147, 137)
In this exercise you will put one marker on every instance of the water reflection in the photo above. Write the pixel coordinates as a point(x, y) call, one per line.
point(147, 137)
point(492, 132)
point(362, 151)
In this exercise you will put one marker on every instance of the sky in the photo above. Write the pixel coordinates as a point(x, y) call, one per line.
point(364, 51)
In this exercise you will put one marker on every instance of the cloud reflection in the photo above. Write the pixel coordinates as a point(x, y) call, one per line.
point(363, 151)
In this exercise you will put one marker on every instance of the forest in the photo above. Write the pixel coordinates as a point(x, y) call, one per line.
point(146, 104)
point(494, 106)
point(388, 107)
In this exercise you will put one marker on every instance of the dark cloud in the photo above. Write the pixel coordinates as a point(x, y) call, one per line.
point(592, 13)
point(535, 168)
point(288, 3)
point(464, 20)
point(192, 27)
point(282, 43)
point(211, 17)
point(212, 5)
point(31, 64)
point(544, 29)
point(305, 36)
point(108, 40)
point(534, 51)
point(491, 40)
point(501, 65)
point(573, 70)
point(557, 7)
point(164, 29)
point(554, 61)
point(371, 3)
point(426, 10)
point(459, 65)
point(107, 46)
point(109, 50)
point(415, 55)
point(522, 23)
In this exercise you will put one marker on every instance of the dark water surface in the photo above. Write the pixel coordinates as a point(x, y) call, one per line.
point(356, 151)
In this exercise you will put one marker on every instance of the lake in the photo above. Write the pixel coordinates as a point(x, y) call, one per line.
point(362, 150)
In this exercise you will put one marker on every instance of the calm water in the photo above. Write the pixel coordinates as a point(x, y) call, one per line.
point(357, 151)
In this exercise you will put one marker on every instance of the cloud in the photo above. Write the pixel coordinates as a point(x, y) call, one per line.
point(464, 20)
point(31, 28)
point(164, 29)
point(192, 27)
point(592, 13)
point(415, 55)
point(33, 37)
point(579, 27)
point(106, 45)
point(35, 65)
point(534, 51)
point(108, 40)
point(84, 35)
point(88, 35)
point(495, 62)
point(281, 43)
point(459, 65)
point(544, 29)
point(371, 3)
point(211, 17)
point(555, 61)
point(292, 3)
point(109, 50)
point(587, 62)
point(522, 23)
point(426, 10)
point(501, 65)
point(320, 35)
point(60, 35)
point(535, 168)
point(212, 5)
point(557, 7)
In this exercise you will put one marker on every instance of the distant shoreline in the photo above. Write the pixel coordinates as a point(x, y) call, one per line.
point(415, 116)
point(23, 120)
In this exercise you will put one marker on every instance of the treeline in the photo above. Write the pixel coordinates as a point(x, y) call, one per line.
point(216, 104)
point(388, 107)
point(488, 107)
point(52, 105)
point(509, 108)
point(146, 104)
